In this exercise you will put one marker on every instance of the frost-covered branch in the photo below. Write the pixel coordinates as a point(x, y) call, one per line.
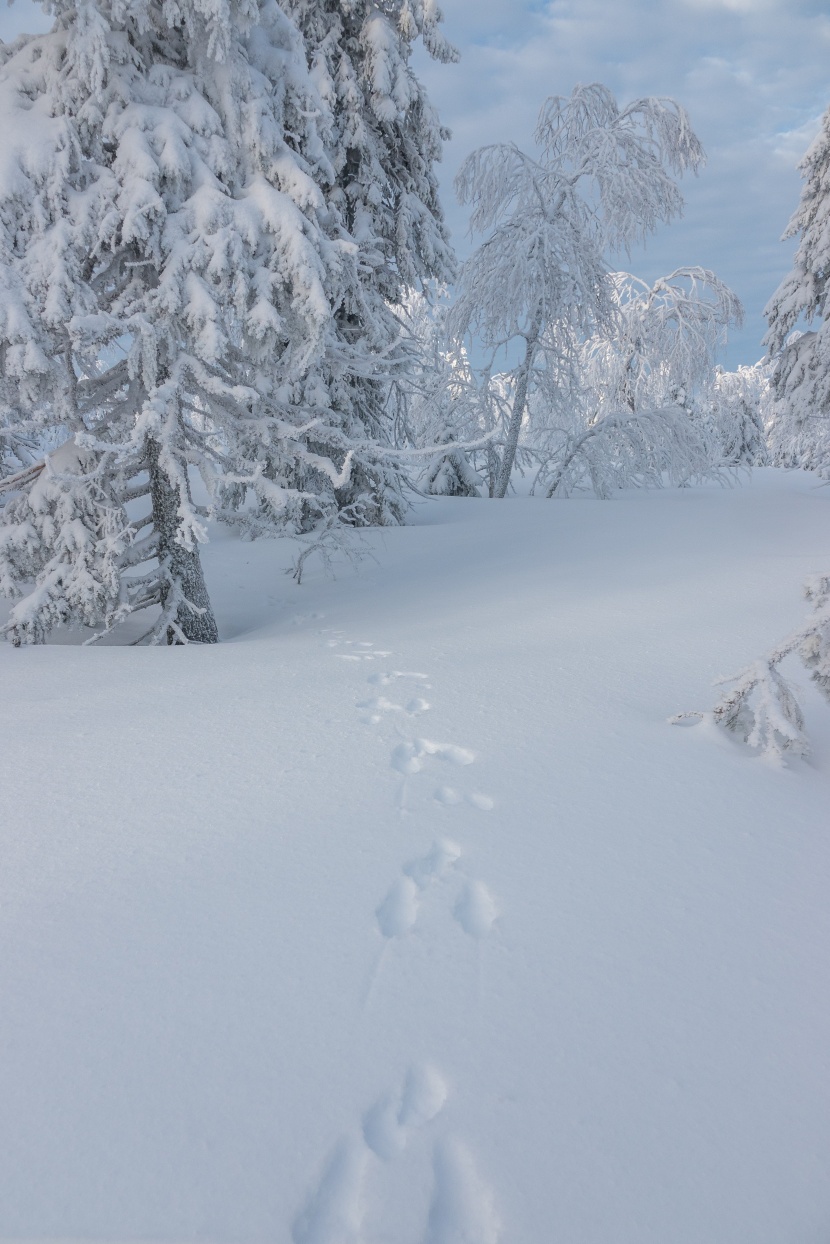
point(630, 449)
point(21, 479)
point(333, 539)
point(604, 179)
point(761, 707)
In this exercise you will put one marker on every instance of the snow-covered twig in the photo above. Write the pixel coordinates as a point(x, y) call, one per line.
point(333, 538)
point(21, 479)
point(761, 706)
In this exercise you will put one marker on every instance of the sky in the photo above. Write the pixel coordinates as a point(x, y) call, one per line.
point(752, 74)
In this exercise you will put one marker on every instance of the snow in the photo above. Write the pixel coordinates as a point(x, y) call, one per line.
point(403, 916)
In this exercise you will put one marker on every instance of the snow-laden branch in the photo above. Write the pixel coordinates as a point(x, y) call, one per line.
point(605, 177)
point(203, 245)
point(761, 707)
point(21, 479)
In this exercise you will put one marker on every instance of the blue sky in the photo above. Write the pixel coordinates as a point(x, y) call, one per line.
point(752, 73)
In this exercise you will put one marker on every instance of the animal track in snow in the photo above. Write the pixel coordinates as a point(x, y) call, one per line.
point(448, 796)
point(362, 650)
point(335, 1211)
point(408, 757)
point(476, 909)
point(361, 656)
point(398, 912)
point(379, 705)
point(383, 680)
point(386, 1125)
point(431, 867)
point(462, 1209)
point(342, 1208)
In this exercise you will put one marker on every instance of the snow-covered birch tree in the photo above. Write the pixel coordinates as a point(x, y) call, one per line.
point(630, 421)
point(604, 178)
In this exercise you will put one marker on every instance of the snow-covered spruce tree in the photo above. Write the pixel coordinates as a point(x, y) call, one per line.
point(170, 281)
point(383, 139)
point(760, 706)
point(736, 410)
point(381, 132)
point(800, 434)
point(631, 420)
point(604, 179)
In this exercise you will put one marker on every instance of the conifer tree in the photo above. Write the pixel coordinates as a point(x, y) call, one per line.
point(760, 705)
point(736, 409)
point(383, 139)
point(181, 296)
point(801, 372)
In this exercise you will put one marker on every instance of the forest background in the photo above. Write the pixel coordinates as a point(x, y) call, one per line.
point(751, 73)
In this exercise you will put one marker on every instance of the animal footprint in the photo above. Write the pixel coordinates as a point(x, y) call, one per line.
point(361, 656)
point(333, 1213)
point(434, 865)
point(407, 757)
point(449, 797)
point(362, 650)
point(424, 1094)
point(398, 912)
point(462, 1209)
point(476, 909)
point(387, 1124)
point(383, 680)
point(380, 705)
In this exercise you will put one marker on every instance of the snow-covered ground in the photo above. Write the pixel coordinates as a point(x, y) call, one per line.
point(403, 917)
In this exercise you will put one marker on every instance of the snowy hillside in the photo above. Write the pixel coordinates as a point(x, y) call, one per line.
point(403, 917)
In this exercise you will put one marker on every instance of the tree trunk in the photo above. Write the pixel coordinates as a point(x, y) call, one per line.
point(519, 403)
point(492, 469)
point(194, 615)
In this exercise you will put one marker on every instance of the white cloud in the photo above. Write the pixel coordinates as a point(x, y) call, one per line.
point(789, 146)
point(735, 6)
